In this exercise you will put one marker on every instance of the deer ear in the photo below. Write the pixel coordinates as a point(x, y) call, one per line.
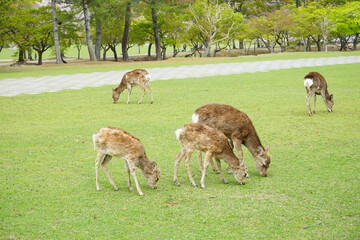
point(267, 148)
point(332, 97)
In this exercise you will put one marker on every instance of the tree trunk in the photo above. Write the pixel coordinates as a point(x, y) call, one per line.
point(125, 37)
point(40, 53)
point(149, 50)
point(88, 31)
point(156, 31)
point(163, 53)
point(21, 59)
point(56, 32)
point(241, 44)
point(356, 39)
point(113, 49)
point(175, 51)
point(98, 39)
point(207, 44)
point(78, 46)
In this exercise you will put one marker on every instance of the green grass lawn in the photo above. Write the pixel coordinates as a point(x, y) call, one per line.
point(47, 176)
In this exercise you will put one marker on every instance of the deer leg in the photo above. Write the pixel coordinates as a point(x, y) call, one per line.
point(131, 166)
point(216, 170)
point(176, 166)
point(128, 177)
point(187, 165)
point(314, 104)
point(143, 94)
point(99, 158)
point(208, 157)
point(129, 93)
point(220, 171)
point(308, 102)
point(201, 166)
point(107, 172)
point(151, 93)
point(237, 144)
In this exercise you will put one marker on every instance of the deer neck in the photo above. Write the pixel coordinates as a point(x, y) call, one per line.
point(253, 143)
point(120, 88)
point(144, 164)
point(229, 158)
point(327, 95)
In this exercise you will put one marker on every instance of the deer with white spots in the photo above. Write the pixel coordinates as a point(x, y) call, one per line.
point(315, 84)
point(196, 136)
point(109, 142)
point(237, 127)
point(139, 77)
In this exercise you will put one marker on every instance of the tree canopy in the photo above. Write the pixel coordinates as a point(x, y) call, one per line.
point(202, 24)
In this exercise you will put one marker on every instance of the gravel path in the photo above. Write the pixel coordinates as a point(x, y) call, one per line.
point(29, 85)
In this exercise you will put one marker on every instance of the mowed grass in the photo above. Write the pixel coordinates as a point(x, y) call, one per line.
point(47, 176)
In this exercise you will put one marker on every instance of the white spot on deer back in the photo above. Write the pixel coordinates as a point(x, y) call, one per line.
point(195, 118)
point(308, 82)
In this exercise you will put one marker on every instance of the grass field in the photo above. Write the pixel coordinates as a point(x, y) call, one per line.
point(47, 176)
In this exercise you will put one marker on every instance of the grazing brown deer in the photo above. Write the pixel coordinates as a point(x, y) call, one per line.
point(109, 142)
point(238, 127)
point(138, 77)
point(211, 141)
point(315, 84)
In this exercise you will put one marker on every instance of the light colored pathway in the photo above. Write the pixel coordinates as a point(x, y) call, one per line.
point(13, 87)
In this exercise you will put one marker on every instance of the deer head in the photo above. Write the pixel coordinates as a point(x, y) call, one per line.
point(330, 102)
point(115, 95)
point(262, 160)
point(152, 174)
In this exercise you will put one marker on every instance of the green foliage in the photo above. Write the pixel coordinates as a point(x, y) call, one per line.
point(347, 19)
point(47, 174)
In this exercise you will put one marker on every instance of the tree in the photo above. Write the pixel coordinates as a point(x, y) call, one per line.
point(40, 23)
point(347, 24)
point(211, 18)
point(56, 32)
point(154, 16)
point(85, 6)
point(125, 38)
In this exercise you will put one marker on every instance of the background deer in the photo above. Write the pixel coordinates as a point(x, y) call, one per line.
point(315, 84)
point(109, 142)
point(138, 77)
point(238, 127)
point(211, 141)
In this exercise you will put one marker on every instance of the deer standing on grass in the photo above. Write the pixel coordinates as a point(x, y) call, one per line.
point(238, 127)
point(315, 84)
point(211, 141)
point(109, 142)
point(139, 77)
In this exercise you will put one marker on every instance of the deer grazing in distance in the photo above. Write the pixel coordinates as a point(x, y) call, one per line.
point(109, 142)
point(139, 77)
point(238, 127)
point(315, 84)
point(195, 136)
